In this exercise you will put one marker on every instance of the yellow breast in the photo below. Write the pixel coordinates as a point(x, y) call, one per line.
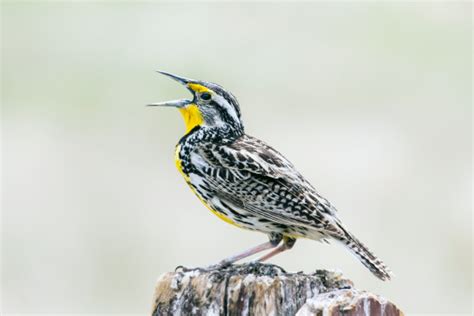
point(177, 162)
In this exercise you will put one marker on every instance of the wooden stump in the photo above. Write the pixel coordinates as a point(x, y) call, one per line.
point(263, 289)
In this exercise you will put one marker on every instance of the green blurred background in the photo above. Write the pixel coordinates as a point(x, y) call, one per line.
point(371, 102)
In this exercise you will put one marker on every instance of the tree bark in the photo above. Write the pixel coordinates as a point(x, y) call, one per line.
point(263, 289)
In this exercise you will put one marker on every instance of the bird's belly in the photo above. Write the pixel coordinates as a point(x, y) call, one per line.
point(230, 213)
point(207, 197)
point(202, 190)
point(238, 216)
point(224, 211)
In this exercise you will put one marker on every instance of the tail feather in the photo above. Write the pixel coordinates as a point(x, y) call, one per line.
point(365, 256)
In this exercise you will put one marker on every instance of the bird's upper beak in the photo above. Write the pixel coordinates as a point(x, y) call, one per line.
point(175, 103)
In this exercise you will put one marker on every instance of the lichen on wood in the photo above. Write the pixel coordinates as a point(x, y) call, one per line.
point(263, 289)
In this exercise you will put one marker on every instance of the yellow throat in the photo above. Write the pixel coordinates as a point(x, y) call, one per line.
point(192, 117)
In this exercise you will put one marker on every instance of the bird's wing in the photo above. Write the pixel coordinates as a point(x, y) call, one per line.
point(256, 177)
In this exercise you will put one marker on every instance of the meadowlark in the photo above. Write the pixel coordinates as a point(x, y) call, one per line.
point(247, 183)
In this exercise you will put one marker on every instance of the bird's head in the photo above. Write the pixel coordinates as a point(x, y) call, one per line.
point(210, 105)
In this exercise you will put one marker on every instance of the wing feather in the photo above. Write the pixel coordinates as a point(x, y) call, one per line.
point(265, 183)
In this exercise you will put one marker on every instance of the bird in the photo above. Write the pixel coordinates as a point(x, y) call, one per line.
point(248, 183)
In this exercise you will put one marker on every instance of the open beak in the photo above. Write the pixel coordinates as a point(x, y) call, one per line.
point(175, 103)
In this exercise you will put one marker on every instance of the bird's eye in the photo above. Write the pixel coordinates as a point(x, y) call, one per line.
point(206, 96)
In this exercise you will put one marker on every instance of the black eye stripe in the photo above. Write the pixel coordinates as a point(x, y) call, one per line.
point(222, 111)
point(206, 96)
point(215, 104)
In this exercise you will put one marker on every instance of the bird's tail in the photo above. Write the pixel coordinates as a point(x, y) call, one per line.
point(365, 256)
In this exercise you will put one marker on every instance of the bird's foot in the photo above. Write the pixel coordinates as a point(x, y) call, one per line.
point(200, 269)
point(219, 266)
point(181, 268)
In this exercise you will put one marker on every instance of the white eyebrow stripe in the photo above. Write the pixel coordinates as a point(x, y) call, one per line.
point(229, 107)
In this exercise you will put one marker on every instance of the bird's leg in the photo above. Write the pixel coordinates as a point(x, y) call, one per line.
point(274, 240)
point(247, 253)
point(287, 244)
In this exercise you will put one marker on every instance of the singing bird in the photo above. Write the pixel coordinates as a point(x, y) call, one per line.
point(247, 183)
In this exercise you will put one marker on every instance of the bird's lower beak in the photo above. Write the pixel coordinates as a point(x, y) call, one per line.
point(175, 103)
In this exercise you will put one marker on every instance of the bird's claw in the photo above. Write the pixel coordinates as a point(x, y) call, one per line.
point(221, 265)
point(213, 267)
point(182, 268)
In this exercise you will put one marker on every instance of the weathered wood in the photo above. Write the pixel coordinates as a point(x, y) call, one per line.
point(263, 289)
